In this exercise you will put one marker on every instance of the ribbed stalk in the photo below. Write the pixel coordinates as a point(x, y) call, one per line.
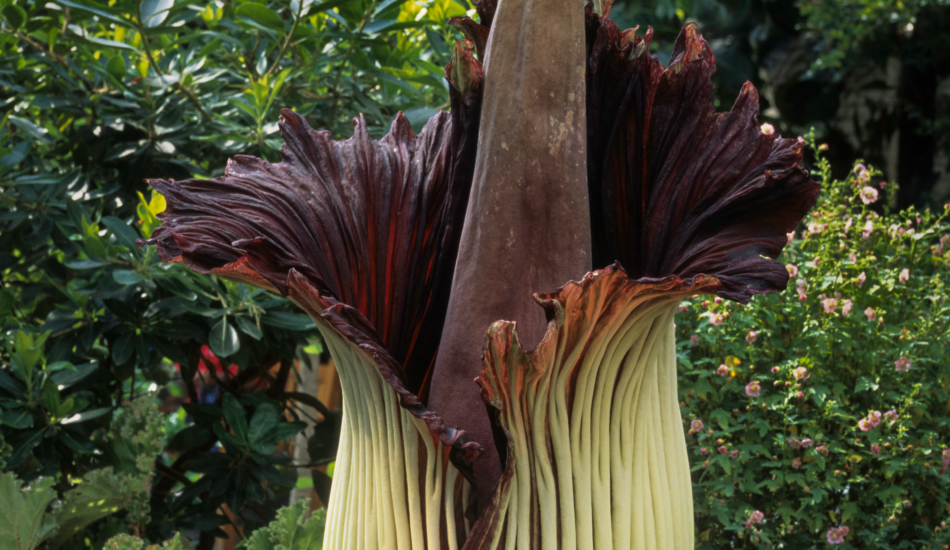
point(597, 452)
point(393, 486)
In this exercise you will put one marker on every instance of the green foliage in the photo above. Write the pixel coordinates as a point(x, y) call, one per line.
point(24, 523)
point(96, 97)
point(128, 542)
point(826, 405)
point(294, 529)
point(135, 439)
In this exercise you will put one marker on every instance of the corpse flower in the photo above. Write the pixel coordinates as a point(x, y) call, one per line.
point(568, 147)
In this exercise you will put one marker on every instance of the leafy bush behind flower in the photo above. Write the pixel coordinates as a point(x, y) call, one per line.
point(824, 411)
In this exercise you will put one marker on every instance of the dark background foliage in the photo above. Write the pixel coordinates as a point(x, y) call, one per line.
point(871, 76)
point(96, 98)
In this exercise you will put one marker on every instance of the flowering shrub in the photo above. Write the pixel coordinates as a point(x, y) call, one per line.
point(824, 411)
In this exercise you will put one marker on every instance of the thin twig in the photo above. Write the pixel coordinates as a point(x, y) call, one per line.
point(290, 35)
point(346, 57)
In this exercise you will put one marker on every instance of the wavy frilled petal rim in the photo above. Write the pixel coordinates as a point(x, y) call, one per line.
point(362, 234)
point(676, 188)
point(609, 342)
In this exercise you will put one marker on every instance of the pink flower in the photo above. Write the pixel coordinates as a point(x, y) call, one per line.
point(861, 278)
point(792, 270)
point(902, 364)
point(874, 417)
point(861, 171)
point(722, 450)
point(847, 225)
point(814, 228)
point(836, 535)
point(756, 517)
point(815, 262)
point(846, 307)
point(683, 309)
point(767, 129)
point(704, 451)
point(822, 450)
point(868, 194)
point(750, 338)
point(872, 315)
point(800, 395)
point(775, 369)
point(852, 257)
point(695, 426)
point(876, 449)
point(694, 340)
point(717, 300)
point(830, 305)
point(796, 463)
point(806, 443)
point(734, 454)
point(753, 389)
point(722, 370)
point(905, 274)
point(864, 425)
point(791, 236)
point(868, 229)
point(890, 416)
point(801, 373)
point(715, 319)
point(794, 443)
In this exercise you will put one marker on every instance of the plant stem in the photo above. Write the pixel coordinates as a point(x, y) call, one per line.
point(346, 57)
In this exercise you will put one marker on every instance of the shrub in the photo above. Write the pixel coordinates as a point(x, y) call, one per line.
point(820, 414)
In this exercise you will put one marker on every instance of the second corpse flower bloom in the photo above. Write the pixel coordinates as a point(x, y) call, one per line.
point(405, 251)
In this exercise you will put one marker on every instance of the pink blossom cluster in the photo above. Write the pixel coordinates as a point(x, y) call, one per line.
point(695, 426)
point(755, 518)
point(801, 374)
point(871, 421)
point(902, 364)
point(753, 389)
point(836, 535)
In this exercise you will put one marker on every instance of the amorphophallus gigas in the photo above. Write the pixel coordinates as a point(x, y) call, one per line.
point(568, 147)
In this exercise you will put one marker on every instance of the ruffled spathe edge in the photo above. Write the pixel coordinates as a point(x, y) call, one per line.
point(676, 188)
point(296, 228)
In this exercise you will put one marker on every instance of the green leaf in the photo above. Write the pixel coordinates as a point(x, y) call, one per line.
point(224, 339)
point(154, 12)
point(234, 415)
point(249, 327)
point(123, 348)
point(24, 522)
point(261, 15)
point(108, 43)
point(87, 415)
point(19, 419)
point(127, 276)
point(294, 529)
point(14, 15)
point(117, 66)
point(265, 419)
point(124, 234)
